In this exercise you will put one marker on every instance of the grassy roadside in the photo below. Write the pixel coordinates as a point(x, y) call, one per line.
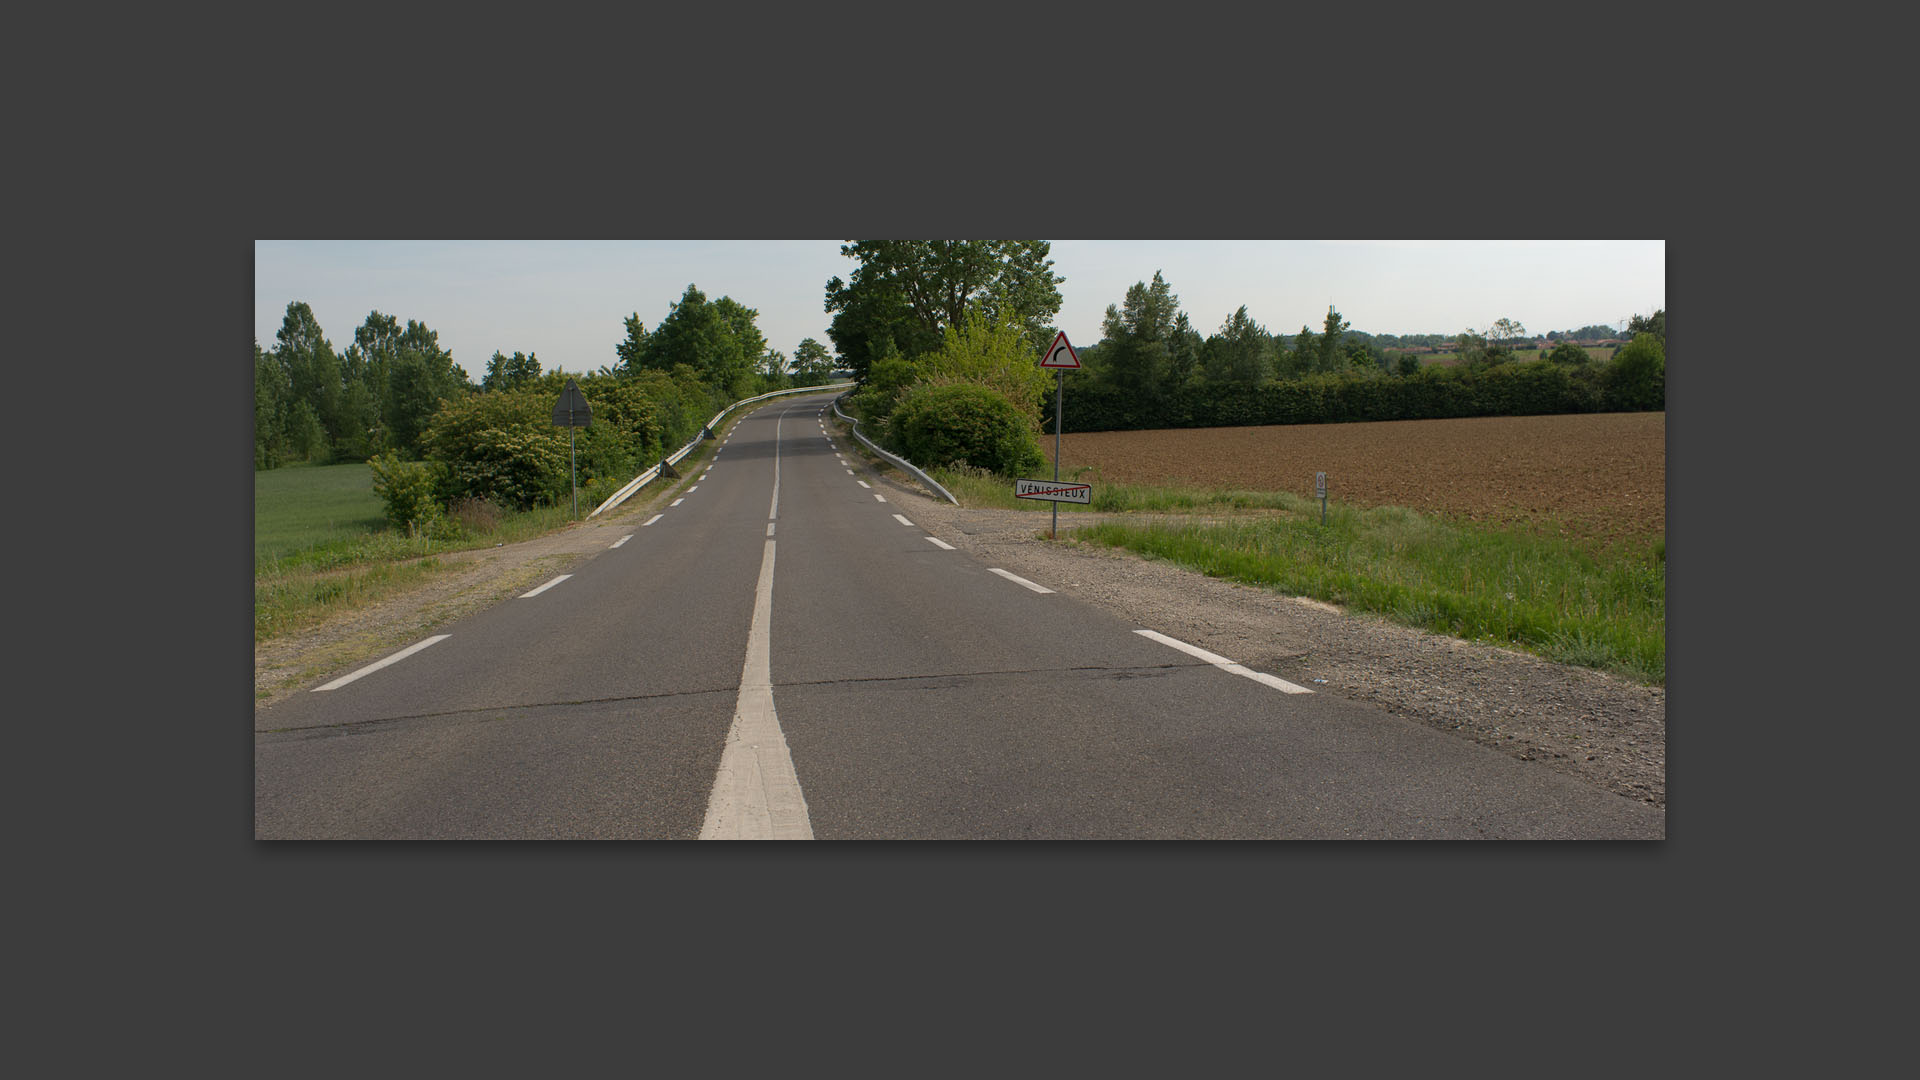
point(1602, 608)
point(322, 545)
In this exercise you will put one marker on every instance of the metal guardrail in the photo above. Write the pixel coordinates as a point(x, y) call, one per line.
point(897, 460)
point(653, 474)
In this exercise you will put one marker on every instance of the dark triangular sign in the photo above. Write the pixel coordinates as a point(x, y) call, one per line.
point(573, 410)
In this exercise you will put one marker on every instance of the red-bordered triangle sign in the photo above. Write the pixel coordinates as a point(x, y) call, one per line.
point(1060, 354)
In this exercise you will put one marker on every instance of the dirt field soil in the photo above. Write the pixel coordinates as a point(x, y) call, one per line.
point(1602, 475)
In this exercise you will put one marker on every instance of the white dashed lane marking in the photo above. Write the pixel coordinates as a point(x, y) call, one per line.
point(623, 540)
point(651, 520)
point(939, 543)
point(902, 520)
point(378, 664)
point(1018, 580)
point(544, 588)
point(1225, 664)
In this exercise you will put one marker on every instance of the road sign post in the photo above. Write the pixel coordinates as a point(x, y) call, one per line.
point(573, 411)
point(1061, 357)
point(1320, 492)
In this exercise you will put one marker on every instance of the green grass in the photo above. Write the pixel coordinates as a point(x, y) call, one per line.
point(321, 545)
point(1597, 606)
point(1543, 594)
point(303, 507)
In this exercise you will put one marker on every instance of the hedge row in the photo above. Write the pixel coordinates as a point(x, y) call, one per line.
point(1434, 393)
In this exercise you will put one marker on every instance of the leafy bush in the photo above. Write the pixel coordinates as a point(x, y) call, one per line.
point(1637, 376)
point(408, 488)
point(1569, 354)
point(502, 447)
point(962, 424)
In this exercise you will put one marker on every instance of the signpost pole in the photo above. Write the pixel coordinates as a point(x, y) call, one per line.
point(573, 465)
point(1059, 410)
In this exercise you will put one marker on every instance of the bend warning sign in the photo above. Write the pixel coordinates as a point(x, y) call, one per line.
point(1053, 491)
point(1060, 354)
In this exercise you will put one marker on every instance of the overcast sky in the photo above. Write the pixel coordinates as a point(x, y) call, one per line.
point(567, 301)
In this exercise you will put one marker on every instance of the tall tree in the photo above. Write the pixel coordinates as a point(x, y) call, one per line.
point(776, 369)
point(812, 363)
point(717, 339)
point(369, 363)
point(510, 372)
point(1141, 336)
point(272, 395)
point(1241, 354)
point(1183, 351)
point(1332, 355)
point(908, 292)
point(421, 374)
point(634, 347)
point(313, 378)
point(1655, 324)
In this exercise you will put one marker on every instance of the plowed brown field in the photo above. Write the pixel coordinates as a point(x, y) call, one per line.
point(1599, 476)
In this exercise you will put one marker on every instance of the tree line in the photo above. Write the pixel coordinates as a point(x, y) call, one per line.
point(916, 318)
point(317, 405)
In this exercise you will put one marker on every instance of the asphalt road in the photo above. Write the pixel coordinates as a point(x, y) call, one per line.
point(783, 655)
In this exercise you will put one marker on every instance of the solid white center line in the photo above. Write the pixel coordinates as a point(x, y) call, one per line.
point(1018, 580)
point(1225, 664)
point(756, 794)
point(902, 520)
point(378, 664)
point(544, 588)
point(651, 520)
point(939, 543)
point(623, 540)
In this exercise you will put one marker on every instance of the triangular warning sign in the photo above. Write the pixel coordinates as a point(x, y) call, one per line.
point(1060, 354)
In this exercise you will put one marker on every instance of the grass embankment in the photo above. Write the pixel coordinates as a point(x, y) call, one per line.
point(321, 543)
point(1597, 606)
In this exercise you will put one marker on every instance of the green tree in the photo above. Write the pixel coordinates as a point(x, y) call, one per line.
point(420, 376)
point(272, 396)
point(1183, 351)
point(634, 347)
point(1141, 335)
point(1568, 354)
point(314, 380)
point(1241, 354)
point(775, 369)
point(741, 325)
point(910, 291)
point(1636, 377)
point(1655, 324)
point(812, 363)
point(1331, 355)
point(990, 352)
point(718, 339)
point(510, 372)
